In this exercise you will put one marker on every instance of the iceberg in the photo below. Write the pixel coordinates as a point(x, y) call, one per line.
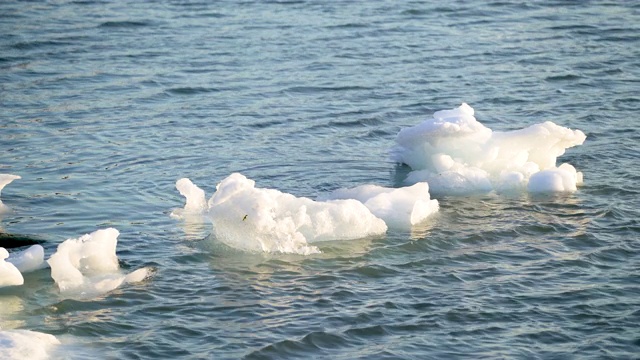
point(456, 154)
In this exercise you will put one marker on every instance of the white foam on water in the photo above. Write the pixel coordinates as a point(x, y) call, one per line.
point(28, 260)
point(267, 220)
point(26, 345)
point(89, 266)
point(6, 179)
point(456, 154)
point(400, 208)
point(9, 273)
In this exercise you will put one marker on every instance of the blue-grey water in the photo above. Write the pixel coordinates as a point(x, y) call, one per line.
point(105, 104)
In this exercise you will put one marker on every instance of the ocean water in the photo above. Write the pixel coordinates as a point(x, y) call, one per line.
point(104, 105)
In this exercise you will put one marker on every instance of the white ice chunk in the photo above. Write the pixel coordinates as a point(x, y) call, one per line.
point(137, 275)
point(9, 274)
point(399, 208)
point(456, 154)
point(28, 260)
point(563, 178)
point(5, 179)
point(267, 220)
point(88, 265)
point(26, 344)
point(195, 199)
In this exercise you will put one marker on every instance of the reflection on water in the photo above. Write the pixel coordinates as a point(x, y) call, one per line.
point(11, 311)
point(195, 227)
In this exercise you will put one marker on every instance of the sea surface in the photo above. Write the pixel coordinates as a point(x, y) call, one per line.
point(105, 104)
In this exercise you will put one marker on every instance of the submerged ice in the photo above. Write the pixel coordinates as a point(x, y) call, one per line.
point(89, 265)
point(456, 154)
point(267, 220)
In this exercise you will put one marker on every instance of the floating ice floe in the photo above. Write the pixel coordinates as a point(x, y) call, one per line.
point(267, 220)
point(26, 344)
point(9, 273)
point(400, 208)
point(5, 179)
point(28, 260)
point(456, 154)
point(89, 265)
point(13, 265)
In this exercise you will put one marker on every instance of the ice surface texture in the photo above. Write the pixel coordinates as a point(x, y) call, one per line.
point(456, 154)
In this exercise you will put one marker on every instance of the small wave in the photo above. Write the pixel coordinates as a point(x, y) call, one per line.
point(566, 77)
point(371, 121)
point(349, 26)
point(286, 2)
point(416, 12)
point(373, 271)
point(192, 90)
point(367, 331)
point(29, 45)
point(124, 24)
point(581, 27)
point(317, 89)
point(266, 124)
point(85, 2)
point(313, 344)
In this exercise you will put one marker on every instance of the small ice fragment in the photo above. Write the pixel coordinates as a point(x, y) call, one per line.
point(9, 274)
point(88, 264)
point(561, 179)
point(137, 275)
point(195, 199)
point(6, 179)
point(28, 260)
point(399, 208)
